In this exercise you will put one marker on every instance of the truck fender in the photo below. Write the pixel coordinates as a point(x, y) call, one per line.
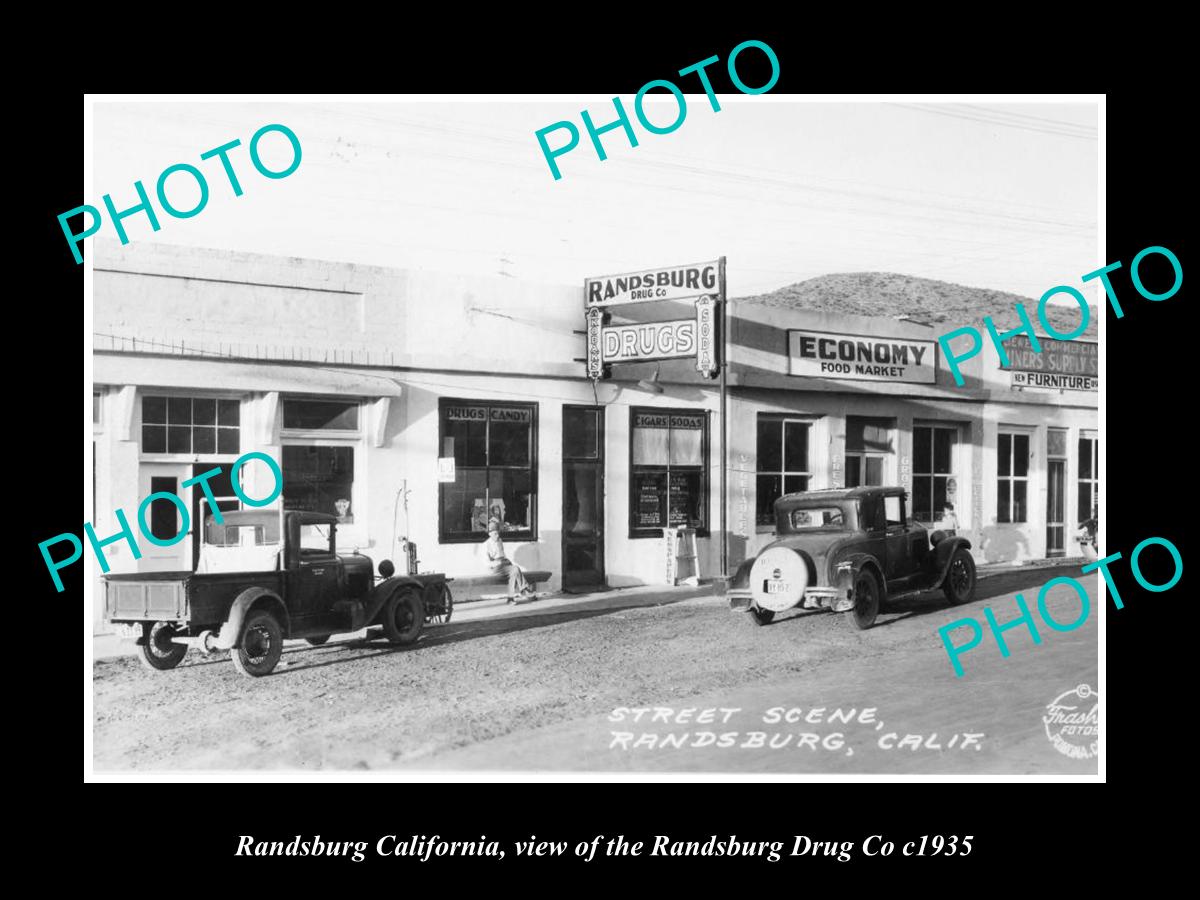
point(251, 598)
point(943, 553)
point(847, 569)
point(383, 592)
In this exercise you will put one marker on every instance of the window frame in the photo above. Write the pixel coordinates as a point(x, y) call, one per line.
point(193, 455)
point(1011, 478)
point(638, 533)
point(517, 537)
point(783, 420)
point(932, 476)
point(321, 432)
point(1094, 480)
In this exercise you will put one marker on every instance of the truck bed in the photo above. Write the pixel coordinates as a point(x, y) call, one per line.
point(199, 599)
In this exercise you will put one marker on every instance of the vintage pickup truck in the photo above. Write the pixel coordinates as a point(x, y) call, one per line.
point(850, 550)
point(263, 576)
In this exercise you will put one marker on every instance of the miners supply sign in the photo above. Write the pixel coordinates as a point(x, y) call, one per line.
point(644, 341)
point(1061, 365)
point(823, 354)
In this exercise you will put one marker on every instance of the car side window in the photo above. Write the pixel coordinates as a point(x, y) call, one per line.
point(893, 507)
point(871, 514)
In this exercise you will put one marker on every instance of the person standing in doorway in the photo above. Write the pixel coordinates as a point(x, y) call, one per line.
point(500, 564)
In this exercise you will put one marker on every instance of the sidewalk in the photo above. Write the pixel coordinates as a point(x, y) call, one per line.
point(107, 646)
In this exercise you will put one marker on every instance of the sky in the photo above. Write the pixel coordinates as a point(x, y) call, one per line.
point(1000, 196)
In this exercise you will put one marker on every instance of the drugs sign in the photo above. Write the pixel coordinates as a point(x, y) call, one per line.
point(652, 340)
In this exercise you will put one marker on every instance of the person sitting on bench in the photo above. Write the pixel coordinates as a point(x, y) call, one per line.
point(500, 564)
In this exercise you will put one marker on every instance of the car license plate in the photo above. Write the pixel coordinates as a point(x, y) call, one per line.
point(128, 632)
point(778, 587)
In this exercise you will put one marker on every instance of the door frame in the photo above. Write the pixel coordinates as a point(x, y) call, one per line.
point(601, 520)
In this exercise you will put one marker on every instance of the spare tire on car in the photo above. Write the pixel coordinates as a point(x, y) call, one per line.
point(778, 579)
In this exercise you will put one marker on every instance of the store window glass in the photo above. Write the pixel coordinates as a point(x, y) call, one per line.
point(1088, 488)
point(668, 482)
point(319, 479)
point(190, 425)
point(493, 446)
point(869, 442)
point(781, 462)
point(935, 485)
point(1012, 477)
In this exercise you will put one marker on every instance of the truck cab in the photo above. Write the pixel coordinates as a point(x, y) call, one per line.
point(264, 576)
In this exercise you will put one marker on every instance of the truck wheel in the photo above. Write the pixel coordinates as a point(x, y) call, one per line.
point(959, 583)
point(158, 653)
point(403, 617)
point(317, 641)
point(761, 616)
point(260, 647)
point(866, 601)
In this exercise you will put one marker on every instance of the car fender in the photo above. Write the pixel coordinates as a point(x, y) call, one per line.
point(846, 571)
point(943, 553)
point(384, 591)
point(251, 598)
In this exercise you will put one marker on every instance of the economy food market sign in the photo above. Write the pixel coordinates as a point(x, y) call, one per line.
point(670, 283)
point(824, 354)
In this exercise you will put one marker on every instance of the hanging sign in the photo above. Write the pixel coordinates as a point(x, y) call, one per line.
point(667, 283)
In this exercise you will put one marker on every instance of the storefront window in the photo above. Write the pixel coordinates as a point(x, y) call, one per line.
point(319, 479)
point(781, 462)
point(1012, 488)
point(935, 487)
point(190, 425)
point(868, 445)
point(1089, 477)
point(301, 414)
point(495, 469)
point(668, 483)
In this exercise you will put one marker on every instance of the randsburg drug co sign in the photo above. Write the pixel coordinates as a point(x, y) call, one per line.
point(668, 283)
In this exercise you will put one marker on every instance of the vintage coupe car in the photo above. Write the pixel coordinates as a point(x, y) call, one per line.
point(850, 551)
point(265, 575)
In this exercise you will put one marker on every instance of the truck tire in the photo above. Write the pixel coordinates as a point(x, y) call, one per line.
point(866, 601)
point(317, 641)
point(761, 616)
point(959, 583)
point(157, 653)
point(261, 645)
point(403, 617)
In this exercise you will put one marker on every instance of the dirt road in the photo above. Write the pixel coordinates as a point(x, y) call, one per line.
point(536, 689)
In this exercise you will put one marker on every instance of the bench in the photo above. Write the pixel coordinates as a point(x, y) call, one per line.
point(470, 582)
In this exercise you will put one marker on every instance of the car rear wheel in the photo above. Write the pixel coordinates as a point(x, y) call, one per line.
point(403, 617)
point(761, 616)
point(158, 653)
point(866, 601)
point(261, 646)
point(959, 584)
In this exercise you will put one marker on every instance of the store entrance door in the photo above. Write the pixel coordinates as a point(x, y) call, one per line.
point(583, 497)
point(1056, 508)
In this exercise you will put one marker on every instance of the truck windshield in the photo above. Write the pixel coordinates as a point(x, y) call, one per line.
point(242, 531)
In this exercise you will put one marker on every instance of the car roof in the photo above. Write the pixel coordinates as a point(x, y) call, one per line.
point(843, 493)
